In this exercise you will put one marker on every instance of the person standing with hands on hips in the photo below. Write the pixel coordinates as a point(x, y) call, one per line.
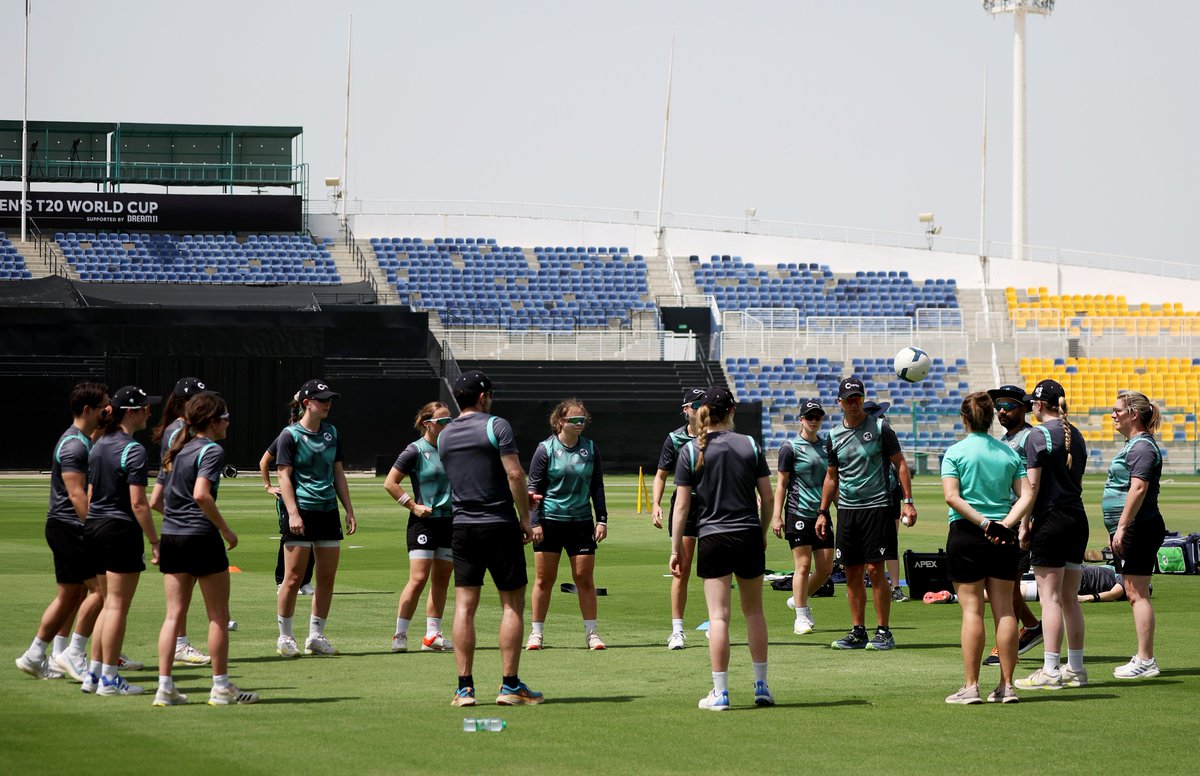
point(859, 450)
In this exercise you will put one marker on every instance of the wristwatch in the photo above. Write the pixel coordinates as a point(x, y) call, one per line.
point(823, 512)
point(906, 501)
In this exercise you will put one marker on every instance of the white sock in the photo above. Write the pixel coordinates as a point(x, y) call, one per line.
point(165, 682)
point(537, 628)
point(285, 625)
point(804, 610)
point(78, 643)
point(1050, 662)
point(1075, 659)
point(94, 668)
point(181, 642)
point(60, 643)
point(316, 626)
point(589, 626)
point(402, 625)
point(720, 681)
point(433, 626)
point(221, 680)
point(37, 650)
point(108, 672)
point(677, 625)
point(760, 672)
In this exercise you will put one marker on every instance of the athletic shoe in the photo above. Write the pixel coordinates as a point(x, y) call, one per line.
point(594, 642)
point(762, 695)
point(90, 683)
point(463, 696)
point(898, 595)
point(1040, 680)
point(994, 658)
point(125, 664)
point(436, 643)
point(1137, 668)
point(791, 602)
point(189, 655)
point(966, 696)
point(73, 666)
point(534, 641)
point(515, 696)
point(400, 642)
point(1072, 678)
point(230, 695)
point(675, 640)
point(715, 701)
point(882, 641)
point(306, 590)
point(1005, 693)
point(1029, 638)
point(118, 686)
point(938, 597)
point(317, 644)
point(286, 647)
point(804, 625)
point(855, 639)
point(35, 668)
point(171, 697)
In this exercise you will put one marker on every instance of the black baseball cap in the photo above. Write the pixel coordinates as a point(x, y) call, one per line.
point(1048, 391)
point(189, 386)
point(811, 405)
point(692, 395)
point(876, 409)
point(316, 389)
point(1013, 392)
point(851, 386)
point(718, 397)
point(130, 397)
point(472, 380)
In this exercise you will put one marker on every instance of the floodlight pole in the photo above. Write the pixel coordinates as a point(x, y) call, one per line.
point(25, 131)
point(346, 134)
point(662, 170)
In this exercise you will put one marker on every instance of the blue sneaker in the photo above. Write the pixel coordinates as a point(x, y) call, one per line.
point(463, 696)
point(715, 701)
point(855, 639)
point(882, 641)
point(521, 694)
point(762, 695)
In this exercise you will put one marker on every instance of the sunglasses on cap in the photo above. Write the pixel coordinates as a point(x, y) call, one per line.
point(440, 421)
point(577, 420)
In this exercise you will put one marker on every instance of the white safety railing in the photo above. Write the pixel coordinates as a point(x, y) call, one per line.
point(484, 344)
point(939, 319)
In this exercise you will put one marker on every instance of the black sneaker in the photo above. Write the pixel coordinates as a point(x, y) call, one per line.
point(1029, 638)
point(855, 639)
point(994, 658)
point(898, 595)
point(882, 641)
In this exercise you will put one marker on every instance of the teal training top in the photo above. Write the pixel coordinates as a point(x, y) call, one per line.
point(571, 480)
point(1140, 458)
point(861, 456)
point(422, 464)
point(311, 454)
point(985, 469)
point(806, 464)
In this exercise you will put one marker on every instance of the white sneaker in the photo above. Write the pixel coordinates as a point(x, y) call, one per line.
point(1072, 678)
point(286, 647)
point(317, 644)
point(400, 642)
point(436, 642)
point(1137, 668)
point(534, 641)
point(171, 697)
point(71, 664)
point(791, 602)
point(189, 655)
point(124, 663)
point(715, 701)
point(676, 639)
point(804, 625)
point(90, 683)
point(307, 590)
point(1040, 680)
point(118, 686)
point(231, 695)
point(35, 668)
point(594, 642)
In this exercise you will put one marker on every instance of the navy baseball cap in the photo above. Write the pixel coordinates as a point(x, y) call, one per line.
point(1013, 392)
point(189, 386)
point(810, 406)
point(693, 395)
point(1048, 391)
point(718, 397)
point(876, 409)
point(851, 386)
point(130, 397)
point(472, 380)
point(317, 389)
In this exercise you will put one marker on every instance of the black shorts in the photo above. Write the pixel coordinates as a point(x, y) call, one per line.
point(429, 533)
point(196, 554)
point(115, 545)
point(970, 557)
point(802, 532)
point(866, 536)
point(1140, 546)
point(577, 537)
point(740, 553)
point(692, 526)
point(72, 562)
point(894, 499)
point(319, 526)
point(1059, 536)
point(1024, 564)
point(494, 548)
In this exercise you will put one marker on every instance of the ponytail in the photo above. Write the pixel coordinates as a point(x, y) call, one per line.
point(1147, 411)
point(200, 412)
point(1066, 424)
point(295, 409)
point(703, 417)
point(977, 411)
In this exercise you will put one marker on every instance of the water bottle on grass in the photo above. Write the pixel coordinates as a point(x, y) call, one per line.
point(481, 724)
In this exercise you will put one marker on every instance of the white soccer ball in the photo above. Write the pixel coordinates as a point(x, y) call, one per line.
point(912, 364)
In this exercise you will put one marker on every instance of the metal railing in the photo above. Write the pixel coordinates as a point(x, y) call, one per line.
point(157, 173)
point(484, 344)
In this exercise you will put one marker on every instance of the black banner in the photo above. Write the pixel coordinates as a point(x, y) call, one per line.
point(73, 211)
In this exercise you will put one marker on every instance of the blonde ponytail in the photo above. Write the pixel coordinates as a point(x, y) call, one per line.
point(704, 416)
point(1066, 424)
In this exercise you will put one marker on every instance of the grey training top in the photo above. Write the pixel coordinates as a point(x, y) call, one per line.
point(727, 484)
point(198, 458)
point(70, 455)
point(116, 462)
point(470, 448)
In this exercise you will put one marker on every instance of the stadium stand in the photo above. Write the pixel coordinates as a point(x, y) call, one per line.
point(1095, 314)
point(475, 282)
point(207, 258)
point(12, 265)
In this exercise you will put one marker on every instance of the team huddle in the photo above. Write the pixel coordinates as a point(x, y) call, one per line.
point(1015, 504)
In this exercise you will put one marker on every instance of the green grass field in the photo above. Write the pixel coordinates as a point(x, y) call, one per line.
point(631, 708)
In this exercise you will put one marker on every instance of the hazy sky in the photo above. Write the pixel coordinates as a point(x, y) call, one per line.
point(844, 112)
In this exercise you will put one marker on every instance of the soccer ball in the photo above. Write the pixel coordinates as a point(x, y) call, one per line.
point(912, 364)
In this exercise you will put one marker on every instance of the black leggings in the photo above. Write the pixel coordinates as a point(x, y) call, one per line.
point(308, 572)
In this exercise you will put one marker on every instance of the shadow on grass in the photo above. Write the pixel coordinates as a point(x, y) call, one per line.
point(266, 701)
point(365, 592)
point(595, 699)
point(1035, 696)
point(812, 705)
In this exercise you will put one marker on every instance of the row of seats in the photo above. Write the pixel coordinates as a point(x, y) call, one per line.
point(1094, 314)
point(12, 263)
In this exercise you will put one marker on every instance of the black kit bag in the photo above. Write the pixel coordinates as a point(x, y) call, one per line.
point(926, 572)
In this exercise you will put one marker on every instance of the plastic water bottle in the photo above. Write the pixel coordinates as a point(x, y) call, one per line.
point(481, 724)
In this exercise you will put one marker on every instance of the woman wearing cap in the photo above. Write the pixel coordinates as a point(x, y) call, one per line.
point(169, 425)
point(429, 528)
point(118, 518)
point(979, 474)
point(802, 466)
point(264, 469)
point(1056, 534)
point(311, 483)
point(192, 550)
point(1135, 526)
point(666, 468)
point(729, 476)
point(566, 481)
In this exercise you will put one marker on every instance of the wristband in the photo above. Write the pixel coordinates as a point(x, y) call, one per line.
point(824, 512)
point(404, 499)
point(1096, 597)
point(602, 520)
point(906, 501)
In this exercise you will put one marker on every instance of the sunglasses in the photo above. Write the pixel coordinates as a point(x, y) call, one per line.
point(577, 420)
point(814, 416)
point(1006, 406)
point(440, 421)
